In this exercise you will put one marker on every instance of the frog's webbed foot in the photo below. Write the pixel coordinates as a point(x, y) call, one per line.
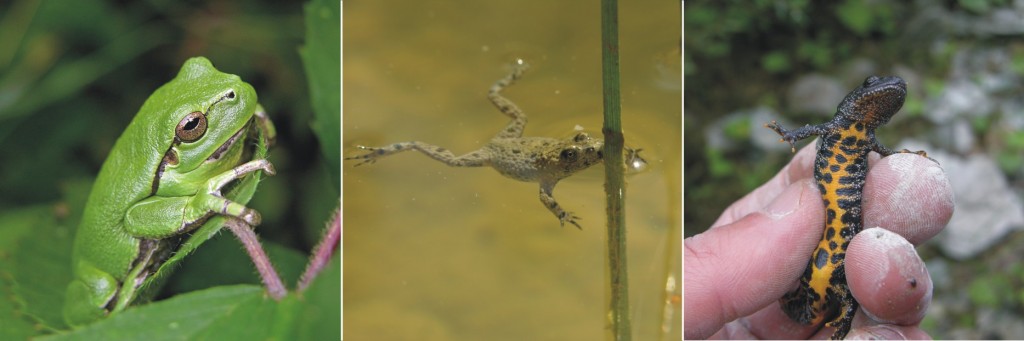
point(369, 157)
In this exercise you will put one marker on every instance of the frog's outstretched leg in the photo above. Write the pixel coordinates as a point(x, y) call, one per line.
point(472, 159)
point(518, 125)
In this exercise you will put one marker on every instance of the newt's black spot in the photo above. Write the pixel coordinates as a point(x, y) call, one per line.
point(838, 257)
point(848, 191)
point(853, 168)
point(821, 259)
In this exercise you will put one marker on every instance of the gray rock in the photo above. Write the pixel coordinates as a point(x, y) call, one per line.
point(963, 136)
point(999, 324)
point(986, 206)
point(816, 93)
point(855, 71)
point(938, 269)
point(755, 118)
point(958, 98)
point(915, 83)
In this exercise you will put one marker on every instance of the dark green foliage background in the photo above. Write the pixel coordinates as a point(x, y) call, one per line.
point(73, 74)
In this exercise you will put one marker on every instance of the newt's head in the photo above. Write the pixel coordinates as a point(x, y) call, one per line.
point(874, 102)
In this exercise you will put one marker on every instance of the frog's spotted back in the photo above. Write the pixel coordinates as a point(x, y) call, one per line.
point(533, 159)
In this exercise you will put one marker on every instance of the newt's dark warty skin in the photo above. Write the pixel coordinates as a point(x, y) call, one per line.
point(840, 168)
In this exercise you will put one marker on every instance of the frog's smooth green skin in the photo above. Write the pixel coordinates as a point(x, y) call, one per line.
point(164, 178)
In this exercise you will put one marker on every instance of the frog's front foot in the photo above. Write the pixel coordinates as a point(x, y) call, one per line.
point(549, 201)
point(369, 157)
point(570, 218)
point(227, 207)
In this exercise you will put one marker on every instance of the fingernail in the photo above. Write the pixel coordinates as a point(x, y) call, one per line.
point(787, 202)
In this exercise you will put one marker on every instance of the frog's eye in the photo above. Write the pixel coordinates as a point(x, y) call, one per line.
point(581, 137)
point(192, 127)
point(569, 155)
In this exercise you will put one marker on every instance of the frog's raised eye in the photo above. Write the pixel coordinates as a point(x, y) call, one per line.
point(569, 155)
point(192, 127)
point(870, 80)
point(581, 137)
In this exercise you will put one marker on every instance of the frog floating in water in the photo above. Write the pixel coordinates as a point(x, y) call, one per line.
point(532, 159)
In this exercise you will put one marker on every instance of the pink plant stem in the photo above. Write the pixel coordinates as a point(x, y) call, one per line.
point(323, 252)
point(252, 245)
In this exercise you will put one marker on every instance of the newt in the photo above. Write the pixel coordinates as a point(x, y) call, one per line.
point(840, 169)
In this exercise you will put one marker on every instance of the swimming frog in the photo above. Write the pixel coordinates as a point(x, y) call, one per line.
point(531, 159)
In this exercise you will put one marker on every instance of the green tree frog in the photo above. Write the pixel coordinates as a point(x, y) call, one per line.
point(164, 178)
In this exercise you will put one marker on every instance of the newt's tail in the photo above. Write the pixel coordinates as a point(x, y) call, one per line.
point(804, 305)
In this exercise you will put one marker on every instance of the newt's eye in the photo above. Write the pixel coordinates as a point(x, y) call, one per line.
point(870, 80)
point(191, 127)
point(569, 155)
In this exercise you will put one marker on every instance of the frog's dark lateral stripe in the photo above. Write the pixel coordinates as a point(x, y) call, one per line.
point(840, 168)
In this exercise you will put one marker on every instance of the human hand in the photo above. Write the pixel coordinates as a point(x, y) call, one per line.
point(736, 272)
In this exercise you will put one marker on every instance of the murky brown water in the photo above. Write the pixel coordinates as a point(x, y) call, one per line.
point(439, 253)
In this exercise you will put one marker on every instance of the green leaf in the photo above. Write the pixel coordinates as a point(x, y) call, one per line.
point(223, 261)
point(23, 301)
point(775, 62)
point(36, 267)
point(183, 317)
point(320, 318)
point(976, 6)
point(322, 59)
point(228, 313)
point(856, 15)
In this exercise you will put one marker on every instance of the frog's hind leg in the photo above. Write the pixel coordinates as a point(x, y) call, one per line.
point(518, 124)
point(472, 159)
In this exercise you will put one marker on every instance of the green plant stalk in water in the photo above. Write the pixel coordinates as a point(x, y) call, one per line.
point(618, 313)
